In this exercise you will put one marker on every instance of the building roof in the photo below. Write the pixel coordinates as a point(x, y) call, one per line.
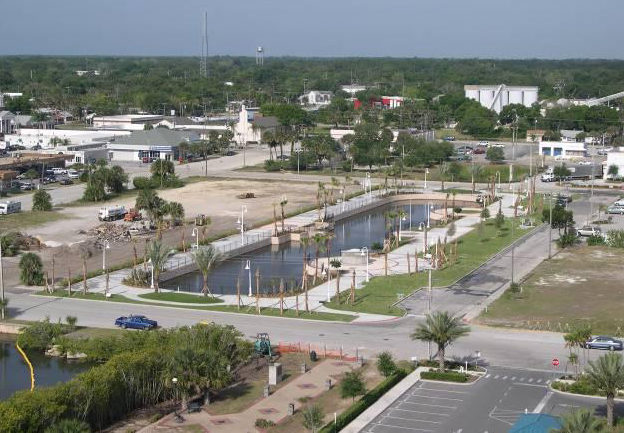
point(179, 120)
point(266, 122)
point(6, 115)
point(23, 119)
point(570, 133)
point(535, 423)
point(157, 137)
point(496, 86)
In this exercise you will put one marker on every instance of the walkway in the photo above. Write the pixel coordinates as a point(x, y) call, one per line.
point(273, 408)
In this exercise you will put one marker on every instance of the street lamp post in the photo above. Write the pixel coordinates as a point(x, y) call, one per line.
point(428, 215)
point(248, 268)
point(195, 233)
point(328, 274)
point(106, 247)
point(550, 225)
point(241, 222)
point(152, 269)
point(426, 173)
point(175, 386)
point(364, 251)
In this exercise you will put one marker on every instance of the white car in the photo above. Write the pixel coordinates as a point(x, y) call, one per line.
point(588, 231)
point(501, 145)
point(483, 143)
point(73, 174)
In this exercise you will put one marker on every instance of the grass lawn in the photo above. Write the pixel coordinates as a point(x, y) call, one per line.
point(273, 312)
point(180, 297)
point(380, 293)
point(579, 285)
point(22, 220)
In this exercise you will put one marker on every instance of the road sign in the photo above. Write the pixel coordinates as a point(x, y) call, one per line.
point(555, 362)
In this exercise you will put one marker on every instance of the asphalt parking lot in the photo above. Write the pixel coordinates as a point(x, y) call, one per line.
point(492, 404)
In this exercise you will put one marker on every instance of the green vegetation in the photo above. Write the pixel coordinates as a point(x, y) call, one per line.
point(446, 376)
point(379, 295)
point(313, 418)
point(31, 270)
point(102, 180)
point(180, 297)
point(580, 421)
point(138, 372)
point(22, 220)
point(42, 201)
point(385, 364)
point(442, 329)
point(352, 385)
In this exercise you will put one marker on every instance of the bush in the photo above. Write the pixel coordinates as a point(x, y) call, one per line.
point(567, 240)
point(515, 288)
point(499, 220)
point(270, 165)
point(362, 404)
point(485, 213)
point(11, 243)
point(264, 423)
point(447, 376)
point(594, 240)
point(451, 229)
point(582, 386)
point(31, 270)
point(616, 238)
point(69, 426)
point(457, 209)
point(142, 182)
point(385, 364)
point(377, 246)
point(42, 201)
point(40, 335)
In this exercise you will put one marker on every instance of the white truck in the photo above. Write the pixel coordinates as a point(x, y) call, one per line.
point(111, 213)
point(8, 207)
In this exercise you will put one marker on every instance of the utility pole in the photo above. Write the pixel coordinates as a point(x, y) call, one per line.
point(550, 226)
point(513, 247)
point(2, 298)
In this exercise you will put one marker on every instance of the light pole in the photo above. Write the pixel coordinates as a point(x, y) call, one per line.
point(328, 274)
point(241, 222)
point(298, 150)
point(152, 269)
point(426, 173)
point(513, 247)
point(364, 251)
point(368, 182)
point(428, 215)
point(106, 247)
point(248, 268)
point(2, 299)
point(499, 176)
point(550, 225)
point(400, 226)
point(175, 386)
point(195, 233)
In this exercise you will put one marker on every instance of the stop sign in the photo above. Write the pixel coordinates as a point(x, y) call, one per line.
point(555, 362)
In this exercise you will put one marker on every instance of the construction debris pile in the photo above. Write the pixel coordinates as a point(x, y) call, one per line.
point(108, 232)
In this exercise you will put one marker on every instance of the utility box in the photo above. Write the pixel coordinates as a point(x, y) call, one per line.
point(275, 373)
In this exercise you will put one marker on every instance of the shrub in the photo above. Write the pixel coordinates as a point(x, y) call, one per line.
point(594, 240)
point(567, 240)
point(376, 246)
point(457, 209)
point(386, 364)
point(138, 278)
point(352, 385)
point(515, 288)
point(42, 201)
point(499, 220)
point(11, 243)
point(451, 229)
point(616, 238)
point(40, 335)
point(270, 165)
point(264, 423)
point(362, 404)
point(485, 213)
point(447, 376)
point(313, 417)
point(142, 182)
point(31, 270)
point(581, 386)
point(69, 426)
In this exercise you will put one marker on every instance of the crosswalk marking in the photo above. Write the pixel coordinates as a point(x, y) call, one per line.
point(530, 379)
point(487, 375)
point(513, 378)
point(496, 377)
point(505, 378)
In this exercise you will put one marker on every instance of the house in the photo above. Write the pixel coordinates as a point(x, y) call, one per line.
point(385, 102)
point(563, 149)
point(316, 98)
point(252, 125)
point(535, 135)
point(7, 122)
point(23, 121)
point(149, 145)
point(496, 97)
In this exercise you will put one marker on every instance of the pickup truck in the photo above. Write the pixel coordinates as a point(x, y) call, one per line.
point(135, 322)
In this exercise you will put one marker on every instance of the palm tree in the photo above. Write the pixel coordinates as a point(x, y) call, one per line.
point(206, 258)
point(157, 254)
point(319, 193)
point(268, 138)
point(31, 269)
point(175, 211)
point(283, 204)
point(607, 374)
point(442, 172)
point(580, 421)
point(475, 172)
point(601, 208)
point(84, 255)
point(185, 366)
point(442, 329)
point(319, 240)
point(305, 241)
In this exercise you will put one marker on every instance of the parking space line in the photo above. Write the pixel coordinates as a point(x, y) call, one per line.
point(410, 419)
point(445, 390)
point(513, 378)
point(496, 377)
point(487, 375)
point(543, 402)
point(403, 428)
point(530, 379)
point(530, 384)
point(539, 380)
point(429, 405)
point(438, 398)
point(420, 411)
point(505, 378)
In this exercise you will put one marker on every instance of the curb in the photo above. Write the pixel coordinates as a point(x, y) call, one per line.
point(602, 397)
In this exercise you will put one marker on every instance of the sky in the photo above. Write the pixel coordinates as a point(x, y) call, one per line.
point(549, 29)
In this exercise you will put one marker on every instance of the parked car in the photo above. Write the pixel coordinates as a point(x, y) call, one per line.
point(73, 174)
point(479, 151)
point(588, 231)
point(615, 210)
point(135, 322)
point(66, 181)
point(460, 157)
point(604, 342)
point(449, 138)
point(483, 143)
point(604, 151)
point(26, 186)
point(501, 145)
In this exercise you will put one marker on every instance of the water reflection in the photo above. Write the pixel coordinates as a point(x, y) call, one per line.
point(286, 260)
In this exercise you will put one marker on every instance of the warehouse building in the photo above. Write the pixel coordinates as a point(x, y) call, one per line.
point(496, 97)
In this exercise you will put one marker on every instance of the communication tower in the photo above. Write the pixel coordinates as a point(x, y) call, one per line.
point(203, 61)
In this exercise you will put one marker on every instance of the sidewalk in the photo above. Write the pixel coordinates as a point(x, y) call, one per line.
point(273, 408)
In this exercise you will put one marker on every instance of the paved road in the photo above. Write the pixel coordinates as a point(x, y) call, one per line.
point(492, 404)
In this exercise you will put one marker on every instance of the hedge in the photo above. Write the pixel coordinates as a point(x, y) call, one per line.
point(447, 376)
point(364, 403)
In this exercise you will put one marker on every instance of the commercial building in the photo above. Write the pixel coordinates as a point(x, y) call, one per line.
point(316, 98)
point(130, 122)
point(52, 138)
point(7, 122)
point(176, 122)
point(614, 157)
point(496, 97)
point(147, 146)
point(535, 135)
point(562, 149)
point(252, 125)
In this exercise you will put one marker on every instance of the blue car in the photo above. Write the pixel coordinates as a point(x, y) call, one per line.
point(136, 322)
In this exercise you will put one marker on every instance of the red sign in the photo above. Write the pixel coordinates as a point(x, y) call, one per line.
point(555, 362)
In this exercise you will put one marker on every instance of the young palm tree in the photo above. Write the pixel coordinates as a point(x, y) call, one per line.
point(319, 240)
point(206, 258)
point(442, 329)
point(175, 211)
point(443, 172)
point(475, 171)
point(157, 254)
point(580, 421)
point(305, 241)
point(607, 374)
point(283, 204)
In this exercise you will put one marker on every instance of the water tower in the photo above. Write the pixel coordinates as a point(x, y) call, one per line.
point(259, 56)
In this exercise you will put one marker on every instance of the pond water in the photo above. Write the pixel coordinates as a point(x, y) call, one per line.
point(15, 374)
point(286, 260)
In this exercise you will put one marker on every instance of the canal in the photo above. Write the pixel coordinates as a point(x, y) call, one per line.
point(286, 260)
point(15, 374)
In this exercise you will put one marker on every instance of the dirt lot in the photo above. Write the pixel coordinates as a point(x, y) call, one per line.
point(215, 198)
point(581, 284)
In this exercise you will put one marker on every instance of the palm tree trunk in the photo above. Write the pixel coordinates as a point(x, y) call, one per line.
point(283, 218)
point(441, 358)
point(316, 265)
point(205, 289)
point(305, 290)
point(338, 286)
point(156, 276)
point(610, 404)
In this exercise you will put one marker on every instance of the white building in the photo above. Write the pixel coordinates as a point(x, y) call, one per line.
point(251, 126)
point(147, 146)
point(51, 138)
point(130, 122)
point(176, 122)
point(352, 89)
point(316, 98)
point(496, 97)
point(614, 157)
point(562, 149)
point(7, 122)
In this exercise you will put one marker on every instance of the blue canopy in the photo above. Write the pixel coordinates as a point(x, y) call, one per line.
point(535, 423)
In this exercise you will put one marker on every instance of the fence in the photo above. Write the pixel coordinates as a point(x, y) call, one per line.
point(321, 350)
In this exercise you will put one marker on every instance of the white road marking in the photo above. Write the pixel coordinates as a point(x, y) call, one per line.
point(408, 428)
point(496, 377)
point(444, 390)
point(548, 382)
point(530, 379)
point(438, 398)
point(539, 380)
point(542, 402)
point(420, 411)
point(418, 420)
point(429, 405)
point(487, 375)
point(505, 378)
point(514, 378)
